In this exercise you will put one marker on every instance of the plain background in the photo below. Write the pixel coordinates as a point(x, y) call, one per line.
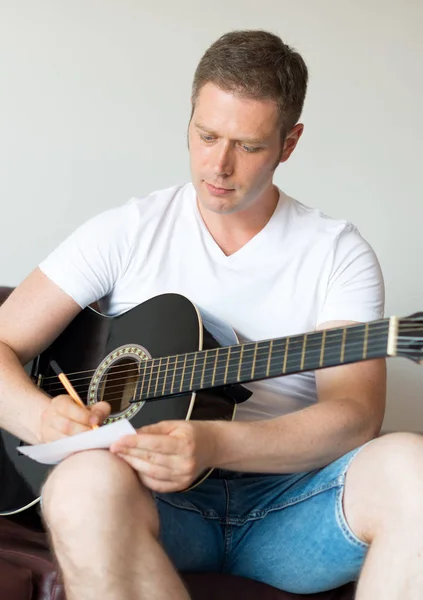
point(94, 106)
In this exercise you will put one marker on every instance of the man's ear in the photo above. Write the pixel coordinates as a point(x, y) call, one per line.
point(291, 141)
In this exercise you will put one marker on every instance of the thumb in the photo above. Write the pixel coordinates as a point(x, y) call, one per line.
point(99, 412)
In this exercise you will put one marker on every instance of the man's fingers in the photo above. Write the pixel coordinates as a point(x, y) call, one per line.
point(163, 487)
point(168, 466)
point(66, 417)
point(162, 444)
point(93, 415)
point(157, 478)
point(99, 411)
point(68, 408)
point(176, 464)
point(143, 467)
point(65, 427)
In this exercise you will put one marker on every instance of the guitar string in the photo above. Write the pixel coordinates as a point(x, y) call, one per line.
point(172, 368)
point(163, 384)
point(293, 352)
point(157, 367)
point(161, 377)
point(250, 346)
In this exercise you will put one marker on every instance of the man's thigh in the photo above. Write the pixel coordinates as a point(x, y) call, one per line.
point(190, 529)
point(302, 542)
point(288, 531)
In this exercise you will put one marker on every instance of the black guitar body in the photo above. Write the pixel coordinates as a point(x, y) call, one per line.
point(162, 326)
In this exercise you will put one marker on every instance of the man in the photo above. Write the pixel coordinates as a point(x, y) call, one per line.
point(299, 499)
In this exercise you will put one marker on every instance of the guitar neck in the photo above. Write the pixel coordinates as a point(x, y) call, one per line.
point(243, 363)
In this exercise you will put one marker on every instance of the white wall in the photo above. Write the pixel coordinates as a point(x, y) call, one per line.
point(94, 102)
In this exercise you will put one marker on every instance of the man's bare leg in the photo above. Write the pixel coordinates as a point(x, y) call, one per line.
point(383, 504)
point(104, 528)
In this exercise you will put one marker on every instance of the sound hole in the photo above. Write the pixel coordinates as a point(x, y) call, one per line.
point(119, 383)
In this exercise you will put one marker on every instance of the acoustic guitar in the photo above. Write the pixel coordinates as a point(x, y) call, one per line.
point(167, 359)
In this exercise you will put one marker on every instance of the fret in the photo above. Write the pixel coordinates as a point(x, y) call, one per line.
point(204, 357)
point(233, 365)
point(174, 374)
point(293, 362)
point(245, 366)
point(313, 353)
point(285, 358)
point(366, 340)
point(262, 360)
point(253, 366)
point(269, 358)
point(169, 374)
point(322, 351)
point(344, 334)
point(179, 373)
point(221, 361)
point(214, 366)
point(142, 377)
point(240, 363)
point(165, 376)
point(354, 343)
point(193, 370)
point(227, 366)
point(157, 377)
point(303, 352)
point(183, 372)
point(277, 357)
point(150, 377)
point(333, 347)
point(197, 370)
point(378, 338)
point(209, 370)
point(188, 373)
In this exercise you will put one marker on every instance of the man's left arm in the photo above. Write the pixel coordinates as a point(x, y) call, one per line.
point(349, 412)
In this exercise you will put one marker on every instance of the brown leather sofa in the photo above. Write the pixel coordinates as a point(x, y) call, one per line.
point(28, 570)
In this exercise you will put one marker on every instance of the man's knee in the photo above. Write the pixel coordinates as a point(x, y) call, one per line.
point(384, 483)
point(95, 484)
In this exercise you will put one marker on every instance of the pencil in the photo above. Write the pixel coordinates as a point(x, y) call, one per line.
point(68, 386)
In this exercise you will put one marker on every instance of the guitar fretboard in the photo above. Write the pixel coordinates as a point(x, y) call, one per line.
point(241, 363)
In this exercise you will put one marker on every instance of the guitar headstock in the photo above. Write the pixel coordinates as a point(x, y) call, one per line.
point(410, 337)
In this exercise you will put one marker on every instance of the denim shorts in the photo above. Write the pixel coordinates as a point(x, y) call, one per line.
point(288, 531)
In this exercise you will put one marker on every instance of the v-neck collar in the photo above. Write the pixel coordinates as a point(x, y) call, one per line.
point(214, 247)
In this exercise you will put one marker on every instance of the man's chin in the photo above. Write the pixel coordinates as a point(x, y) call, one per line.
point(218, 206)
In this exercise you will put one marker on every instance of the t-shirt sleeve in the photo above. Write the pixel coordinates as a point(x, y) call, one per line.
point(355, 290)
point(88, 263)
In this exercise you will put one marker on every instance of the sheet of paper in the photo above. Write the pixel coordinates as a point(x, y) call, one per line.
point(103, 437)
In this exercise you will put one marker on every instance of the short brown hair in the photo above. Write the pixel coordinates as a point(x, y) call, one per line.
point(256, 64)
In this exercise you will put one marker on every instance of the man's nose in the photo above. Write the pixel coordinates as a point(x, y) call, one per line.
point(223, 160)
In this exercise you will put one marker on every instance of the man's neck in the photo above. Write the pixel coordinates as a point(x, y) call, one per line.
point(232, 232)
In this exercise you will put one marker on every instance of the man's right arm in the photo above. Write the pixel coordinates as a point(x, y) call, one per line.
point(30, 319)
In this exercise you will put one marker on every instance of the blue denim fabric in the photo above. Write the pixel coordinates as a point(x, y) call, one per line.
point(286, 530)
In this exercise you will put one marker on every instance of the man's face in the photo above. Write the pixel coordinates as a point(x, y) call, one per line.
point(234, 145)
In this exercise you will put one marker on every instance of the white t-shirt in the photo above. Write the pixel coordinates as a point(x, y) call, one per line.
point(302, 269)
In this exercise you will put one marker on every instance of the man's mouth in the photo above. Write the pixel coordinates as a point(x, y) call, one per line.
point(218, 191)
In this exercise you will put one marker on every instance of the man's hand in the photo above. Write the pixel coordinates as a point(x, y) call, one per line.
point(168, 456)
point(63, 417)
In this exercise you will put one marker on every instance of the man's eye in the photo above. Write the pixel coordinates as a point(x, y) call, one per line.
point(206, 138)
point(250, 149)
